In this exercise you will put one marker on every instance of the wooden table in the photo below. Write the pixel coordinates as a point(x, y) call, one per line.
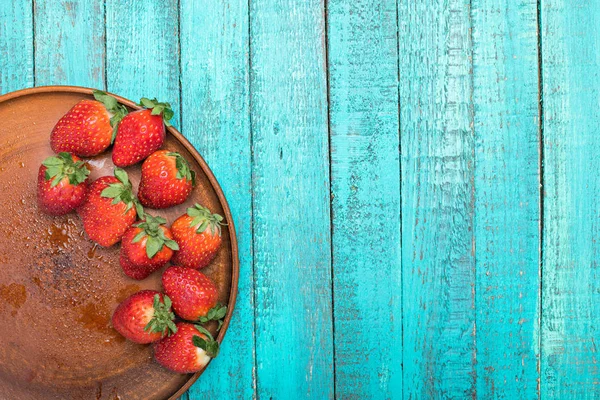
point(414, 183)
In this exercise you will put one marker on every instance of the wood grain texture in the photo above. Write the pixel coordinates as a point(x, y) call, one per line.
point(571, 289)
point(69, 43)
point(292, 244)
point(507, 195)
point(437, 142)
point(365, 186)
point(16, 45)
point(216, 120)
point(142, 50)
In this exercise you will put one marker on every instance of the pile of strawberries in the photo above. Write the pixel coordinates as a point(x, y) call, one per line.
point(109, 210)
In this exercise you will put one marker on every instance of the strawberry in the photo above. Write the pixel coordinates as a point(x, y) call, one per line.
point(198, 234)
point(109, 208)
point(144, 317)
point(141, 133)
point(146, 247)
point(194, 295)
point(87, 129)
point(62, 184)
point(188, 350)
point(167, 180)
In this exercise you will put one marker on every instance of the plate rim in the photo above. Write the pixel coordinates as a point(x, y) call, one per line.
point(233, 291)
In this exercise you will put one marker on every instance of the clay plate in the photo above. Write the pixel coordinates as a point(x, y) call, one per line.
point(58, 290)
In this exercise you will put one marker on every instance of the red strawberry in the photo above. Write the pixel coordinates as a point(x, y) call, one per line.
point(198, 234)
point(186, 351)
point(62, 183)
point(109, 208)
point(141, 133)
point(87, 129)
point(144, 317)
point(167, 180)
point(194, 295)
point(146, 247)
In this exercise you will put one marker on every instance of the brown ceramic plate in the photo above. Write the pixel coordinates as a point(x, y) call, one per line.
point(58, 290)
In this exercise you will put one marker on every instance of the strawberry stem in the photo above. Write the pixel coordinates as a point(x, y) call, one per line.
point(209, 345)
point(217, 313)
point(183, 168)
point(123, 192)
point(117, 110)
point(151, 227)
point(62, 165)
point(162, 320)
point(158, 108)
point(202, 218)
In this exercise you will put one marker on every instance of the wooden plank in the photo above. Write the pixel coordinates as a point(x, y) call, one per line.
point(507, 194)
point(437, 144)
point(365, 180)
point(16, 45)
point(69, 43)
point(142, 50)
point(571, 247)
point(216, 120)
point(292, 244)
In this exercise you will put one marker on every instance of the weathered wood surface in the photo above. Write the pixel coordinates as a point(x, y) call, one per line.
point(365, 185)
point(16, 45)
point(292, 243)
point(571, 290)
point(507, 198)
point(412, 182)
point(438, 200)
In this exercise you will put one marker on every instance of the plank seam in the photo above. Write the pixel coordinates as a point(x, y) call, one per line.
point(400, 195)
point(179, 62)
point(33, 39)
point(105, 73)
point(541, 188)
point(252, 195)
point(331, 242)
point(473, 197)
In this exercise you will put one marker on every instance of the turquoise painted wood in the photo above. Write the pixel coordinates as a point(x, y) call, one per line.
point(216, 119)
point(142, 50)
point(16, 45)
point(69, 43)
point(571, 292)
point(438, 202)
point(291, 208)
point(507, 198)
point(365, 189)
point(412, 182)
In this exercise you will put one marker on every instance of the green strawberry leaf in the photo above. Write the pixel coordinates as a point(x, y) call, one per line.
point(113, 191)
point(172, 244)
point(217, 313)
point(122, 175)
point(153, 246)
point(145, 102)
point(117, 110)
point(109, 102)
point(152, 227)
point(183, 168)
point(138, 237)
point(139, 209)
point(122, 192)
point(55, 181)
point(209, 345)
